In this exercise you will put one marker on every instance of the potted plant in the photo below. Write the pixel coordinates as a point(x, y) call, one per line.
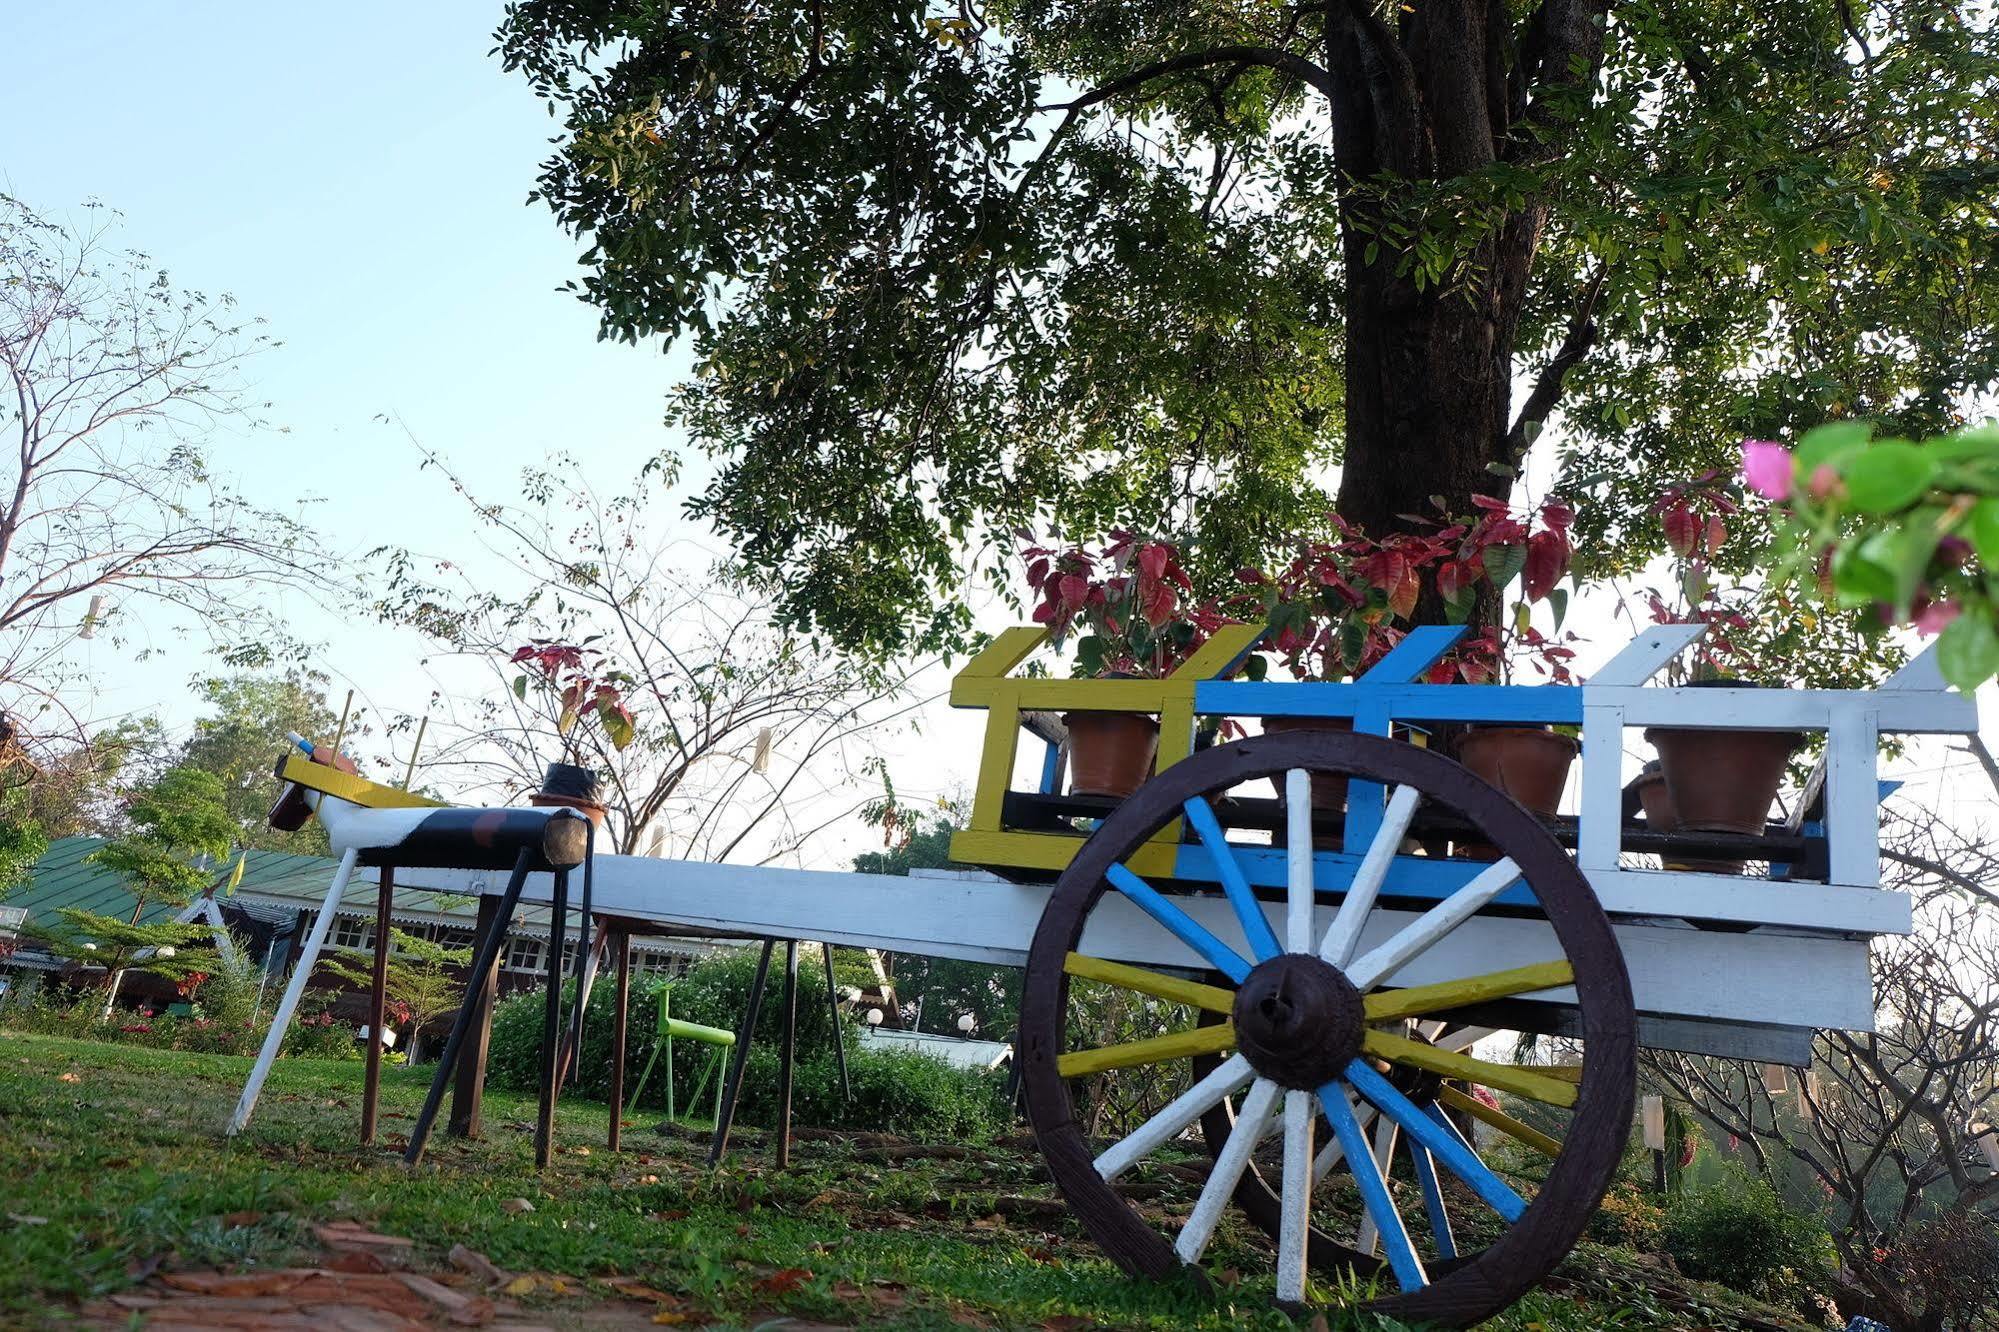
point(1709, 780)
point(1128, 606)
point(574, 679)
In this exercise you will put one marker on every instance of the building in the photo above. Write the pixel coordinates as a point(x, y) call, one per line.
point(271, 909)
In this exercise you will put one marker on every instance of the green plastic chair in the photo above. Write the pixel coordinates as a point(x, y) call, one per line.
point(716, 1038)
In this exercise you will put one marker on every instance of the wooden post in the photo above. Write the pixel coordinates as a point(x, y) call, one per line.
point(378, 996)
point(788, 1057)
point(726, 1097)
point(839, 1032)
point(551, 1021)
point(623, 943)
point(469, 1090)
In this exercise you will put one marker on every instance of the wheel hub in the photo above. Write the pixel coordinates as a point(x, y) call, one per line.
point(1298, 1020)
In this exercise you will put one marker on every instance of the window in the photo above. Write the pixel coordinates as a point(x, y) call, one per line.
point(451, 938)
point(524, 953)
point(353, 932)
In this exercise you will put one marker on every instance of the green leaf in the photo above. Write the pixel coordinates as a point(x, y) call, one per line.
point(1504, 563)
point(1889, 476)
point(520, 686)
point(1968, 650)
point(1979, 444)
point(1256, 668)
point(1090, 655)
point(1858, 580)
point(1523, 617)
point(1559, 600)
point(1984, 531)
point(1831, 443)
point(1353, 642)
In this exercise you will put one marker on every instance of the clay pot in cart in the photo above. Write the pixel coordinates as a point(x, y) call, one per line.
point(1723, 781)
point(568, 786)
point(1329, 789)
point(1529, 763)
point(1110, 753)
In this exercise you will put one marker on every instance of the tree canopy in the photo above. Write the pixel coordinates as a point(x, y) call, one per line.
point(949, 271)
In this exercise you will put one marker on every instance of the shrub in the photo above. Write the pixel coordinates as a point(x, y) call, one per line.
point(1628, 1218)
point(1740, 1234)
point(894, 1092)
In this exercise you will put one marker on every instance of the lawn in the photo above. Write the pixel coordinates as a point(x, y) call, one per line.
point(117, 1180)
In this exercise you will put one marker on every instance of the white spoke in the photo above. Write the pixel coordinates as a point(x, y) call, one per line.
point(1298, 855)
point(1183, 1110)
point(1215, 1194)
point(1464, 1039)
point(1344, 933)
point(1385, 1136)
point(1379, 963)
point(1295, 1225)
point(1331, 1154)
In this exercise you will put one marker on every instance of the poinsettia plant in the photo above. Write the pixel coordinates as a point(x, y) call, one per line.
point(1128, 604)
point(1907, 528)
point(581, 685)
point(1341, 605)
point(1698, 518)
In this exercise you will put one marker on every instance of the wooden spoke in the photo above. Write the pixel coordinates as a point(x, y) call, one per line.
point(1256, 929)
point(1386, 1134)
point(1156, 1050)
point(1332, 1153)
point(1215, 1194)
point(1178, 923)
point(1566, 1072)
point(1433, 1200)
point(1181, 1111)
point(1443, 1142)
point(1531, 1083)
point(1343, 935)
point(1388, 1005)
point(1301, 894)
point(1402, 1258)
point(1378, 964)
point(1295, 1223)
point(1160, 986)
point(1499, 1119)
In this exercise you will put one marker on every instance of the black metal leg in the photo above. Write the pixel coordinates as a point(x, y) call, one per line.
point(727, 1113)
point(789, 1055)
point(475, 986)
point(839, 1031)
point(551, 1018)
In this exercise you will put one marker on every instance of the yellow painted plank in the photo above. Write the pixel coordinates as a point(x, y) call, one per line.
point(1535, 1086)
point(996, 761)
point(1159, 986)
point(1566, 1072)
point(1066, 695)
point(1499, 1119)
point(1052, 851)
point(1417, 1000)
point(1007, 650)
point(346, 786)
point(1159, 1049)
point(1223, 646)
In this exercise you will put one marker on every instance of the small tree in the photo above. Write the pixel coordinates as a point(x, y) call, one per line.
point(88, 939)
point(421, 983)
point(246, 719)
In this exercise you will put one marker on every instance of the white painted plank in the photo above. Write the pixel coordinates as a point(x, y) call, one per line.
point(1386, 1134)
point(1852, 797)
point(1432, 927)
point(1294, 1225)
point(1301, 895)
point(1919, 672)
point(1904, 711)
point(1228, 1168)
point(1366, 887)
point(1646, 655)
point(1175, 1117)
point(1602, 813)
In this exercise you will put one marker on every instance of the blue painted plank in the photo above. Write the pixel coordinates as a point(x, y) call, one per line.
point(1433, 1200)
point(1051, 767)
point(1255, 925)
point(1415, 877)
point(1415, 654)
point(1445, 1145)
point(1412, 702)
point(1177, 922)
point(1374, 1194)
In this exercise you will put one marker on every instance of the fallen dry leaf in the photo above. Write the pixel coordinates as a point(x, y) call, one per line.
point(357, 1261)
point(639, 1290)
point(520, 1285)
point(68, 1077)
point(339, 1234)
point(477, 1264)
point(784, 1281)
point(237, 1220)
point(670, 1318)
point(515, 1206)
point(23, 1219)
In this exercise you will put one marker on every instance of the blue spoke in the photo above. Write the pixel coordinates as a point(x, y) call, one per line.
point(1183, 926)
point(1442, 1141)
point(1433, 1199)
point(1255, 925)
point(1402, 1257)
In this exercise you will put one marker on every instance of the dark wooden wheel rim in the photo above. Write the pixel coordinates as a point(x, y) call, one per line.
point(1483, 1283)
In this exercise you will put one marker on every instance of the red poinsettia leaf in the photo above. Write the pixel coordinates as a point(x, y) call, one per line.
point(1717, 534)
point(1402, 597)
point(1489, 504)
point(1073, 590)
point(1547, 561)
point(1682, 529)
point(1153, 559)
point(1558, 515)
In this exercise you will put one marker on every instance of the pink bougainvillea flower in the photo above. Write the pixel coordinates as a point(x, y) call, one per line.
point(1824, 481)
point(1768, 467)
point(1932, 618)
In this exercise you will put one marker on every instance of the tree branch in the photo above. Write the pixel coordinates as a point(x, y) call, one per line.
point(1547, 389)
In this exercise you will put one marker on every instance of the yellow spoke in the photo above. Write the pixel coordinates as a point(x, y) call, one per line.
point(1534, 1085)
point(1500, 1120)
point(1192, 993)
point(1159, 1049)
point(1384, 1005)
point(1566, 1072)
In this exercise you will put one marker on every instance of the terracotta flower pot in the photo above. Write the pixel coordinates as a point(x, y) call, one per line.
point(1529, 763)
point(1110, 753)
point(1661, 815)
point(1723, 781)
point(1329, 789)
point(567, 786)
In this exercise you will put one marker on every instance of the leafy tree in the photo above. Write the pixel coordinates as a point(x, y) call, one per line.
point(949, 270)
point(92, 940)
point(112, 518)
point(22, 843)
point(420, 985)
point(178, 818)
point(243, 730)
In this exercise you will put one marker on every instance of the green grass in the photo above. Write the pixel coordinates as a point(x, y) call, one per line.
point(118, 1151)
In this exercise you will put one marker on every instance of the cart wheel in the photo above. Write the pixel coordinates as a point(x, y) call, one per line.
point(1310, 1027)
